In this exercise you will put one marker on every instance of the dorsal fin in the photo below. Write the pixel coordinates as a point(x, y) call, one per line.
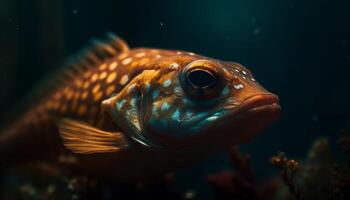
point(96, 52)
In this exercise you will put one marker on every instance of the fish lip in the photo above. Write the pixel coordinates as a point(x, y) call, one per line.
point(256, 103)
point(259, 102)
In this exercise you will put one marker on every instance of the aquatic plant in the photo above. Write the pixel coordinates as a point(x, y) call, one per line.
point(322, 175)
point(242, 184)
point(288, 169)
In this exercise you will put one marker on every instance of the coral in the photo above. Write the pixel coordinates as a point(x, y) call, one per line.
point(288, 169)
point(228, 185)
point(319, 177)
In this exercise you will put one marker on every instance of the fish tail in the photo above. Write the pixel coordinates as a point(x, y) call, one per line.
point(7, 151)
point(4, 164)
point(22, 142)
point(19, 143)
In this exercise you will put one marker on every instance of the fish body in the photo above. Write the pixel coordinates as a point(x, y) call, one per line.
point(125, 113)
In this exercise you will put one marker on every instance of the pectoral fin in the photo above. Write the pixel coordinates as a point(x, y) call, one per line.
point(81, 138)
point(127, 110)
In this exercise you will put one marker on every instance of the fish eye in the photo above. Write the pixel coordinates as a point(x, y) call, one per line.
point(202, 79)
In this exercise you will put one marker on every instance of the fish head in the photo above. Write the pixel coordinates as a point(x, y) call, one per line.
point(208, 102)
point(186, 102)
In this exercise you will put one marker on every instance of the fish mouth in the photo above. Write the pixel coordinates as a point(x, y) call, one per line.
point(253, 115)
point(259, 103)
point(254, 104)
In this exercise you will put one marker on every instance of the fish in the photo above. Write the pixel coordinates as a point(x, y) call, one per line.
point(123, 114)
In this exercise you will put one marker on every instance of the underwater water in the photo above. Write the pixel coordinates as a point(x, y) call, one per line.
point(299, 50)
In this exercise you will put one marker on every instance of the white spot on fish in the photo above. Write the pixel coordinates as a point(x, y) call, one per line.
point(137, 125)
point(106, 102)
point(120, 104)
point(244, 72)
point(155, 94)
point(147, 87)
point(238, 86)
point(237, 70)
point(133, 102)
point(244, 77)
point(191, 54)
point(179, 52)
point(178, 90)
point(202, 114)
point(113, 65)
point(212, 118)
point(167, 83)
point(253, 79)
point(188, 114)
point(176, 115)
point(122, 56)
point(139, 55)
point(225, 91)
point(165, 106)
point(124, 80)
point(174, 66)
point(155, 109)
point(126, 61)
